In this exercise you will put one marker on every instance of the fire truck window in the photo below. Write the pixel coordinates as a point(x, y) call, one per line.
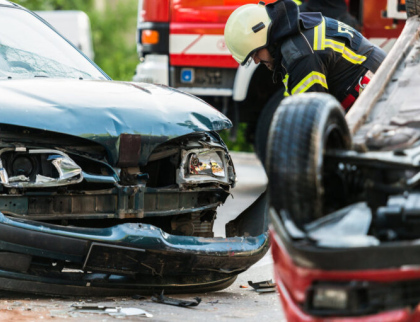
point(401, 5)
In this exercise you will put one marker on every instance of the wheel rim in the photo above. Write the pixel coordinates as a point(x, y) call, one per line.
point(333, 195)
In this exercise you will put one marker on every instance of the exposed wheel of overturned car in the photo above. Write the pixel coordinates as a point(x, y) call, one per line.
point(303, 128)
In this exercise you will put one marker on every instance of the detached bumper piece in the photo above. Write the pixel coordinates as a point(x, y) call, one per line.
point(263, 287)
point(120, 260)
point(175, 302)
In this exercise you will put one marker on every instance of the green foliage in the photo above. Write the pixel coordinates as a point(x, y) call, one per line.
point(239, 144)
point(113, 32)
point(114, 37)
point(84, 5)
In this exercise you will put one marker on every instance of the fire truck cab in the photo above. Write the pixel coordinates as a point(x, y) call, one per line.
point(181, 44)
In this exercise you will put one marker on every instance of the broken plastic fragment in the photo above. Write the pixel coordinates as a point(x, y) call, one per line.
point(18, 178)
point(111, 310)
point(42, 179)
point(66, 168)
point(263, 287)
point(171, 301)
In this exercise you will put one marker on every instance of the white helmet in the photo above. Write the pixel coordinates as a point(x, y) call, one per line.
point(247, 30)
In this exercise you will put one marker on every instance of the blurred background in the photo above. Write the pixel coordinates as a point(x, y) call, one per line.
point(111, 32)
point(113, 27)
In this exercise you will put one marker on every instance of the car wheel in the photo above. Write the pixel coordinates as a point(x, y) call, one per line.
point(412, 7)
point(303, 128)
point(263, 124)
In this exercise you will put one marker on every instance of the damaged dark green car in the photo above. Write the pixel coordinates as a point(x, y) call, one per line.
point(109, 188)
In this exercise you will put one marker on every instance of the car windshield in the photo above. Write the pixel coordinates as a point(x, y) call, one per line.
point(29, 48)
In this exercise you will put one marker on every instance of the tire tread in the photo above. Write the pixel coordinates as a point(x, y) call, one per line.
point(293, 152)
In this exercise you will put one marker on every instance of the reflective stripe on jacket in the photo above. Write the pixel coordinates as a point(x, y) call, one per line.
point(330, 57)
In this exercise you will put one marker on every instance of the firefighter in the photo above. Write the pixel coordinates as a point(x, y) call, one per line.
point(307, 51)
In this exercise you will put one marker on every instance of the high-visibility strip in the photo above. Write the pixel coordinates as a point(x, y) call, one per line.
point(286, 87)
point(347, 54)
point(310, 80)
point(319, 36)
point(352, 57)
point(335, 45)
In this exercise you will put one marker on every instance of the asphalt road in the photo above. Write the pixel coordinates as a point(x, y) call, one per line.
point(233, 303)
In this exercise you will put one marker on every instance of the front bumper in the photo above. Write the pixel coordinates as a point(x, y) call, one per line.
point(129, 258)
point(294, 312)
point(390, 293)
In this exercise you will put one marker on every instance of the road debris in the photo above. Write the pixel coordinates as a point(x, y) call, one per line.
point(263, 287)
point(111, 310)
point(171, 301)
point(243, 286)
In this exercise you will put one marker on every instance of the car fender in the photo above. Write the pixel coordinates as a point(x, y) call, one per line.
point(242, 79)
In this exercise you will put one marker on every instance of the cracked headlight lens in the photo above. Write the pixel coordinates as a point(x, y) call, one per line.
point(38, 168)
point(205, 163)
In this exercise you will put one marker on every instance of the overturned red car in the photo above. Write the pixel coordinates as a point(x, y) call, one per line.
point(344, 196)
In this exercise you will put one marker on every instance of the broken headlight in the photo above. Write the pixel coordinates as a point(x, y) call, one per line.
point(37, 168)
point(205, 165)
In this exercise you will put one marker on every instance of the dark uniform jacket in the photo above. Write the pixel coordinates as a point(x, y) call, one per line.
point(328, 8)
point(318, 54)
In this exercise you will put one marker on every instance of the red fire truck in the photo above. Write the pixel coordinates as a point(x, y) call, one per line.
point(181, 44)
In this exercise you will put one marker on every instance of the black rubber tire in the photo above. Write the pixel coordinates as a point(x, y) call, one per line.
point(303, 127)
point(263, 124)
point(412, 7)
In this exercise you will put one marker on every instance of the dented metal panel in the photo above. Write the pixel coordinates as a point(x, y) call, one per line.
point(103, 110)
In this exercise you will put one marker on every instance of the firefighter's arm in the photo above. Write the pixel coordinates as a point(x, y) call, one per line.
point(307, 75)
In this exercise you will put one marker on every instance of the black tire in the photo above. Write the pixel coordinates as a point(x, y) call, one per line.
point(303, 127)
point(263, 124)
point(412, 7)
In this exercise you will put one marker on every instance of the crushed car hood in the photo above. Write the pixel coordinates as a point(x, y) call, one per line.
point(103, 110)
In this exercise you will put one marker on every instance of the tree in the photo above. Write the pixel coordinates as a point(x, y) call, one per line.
point(84, 5)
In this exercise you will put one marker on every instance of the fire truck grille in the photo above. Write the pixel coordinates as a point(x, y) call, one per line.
point(203, 77)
